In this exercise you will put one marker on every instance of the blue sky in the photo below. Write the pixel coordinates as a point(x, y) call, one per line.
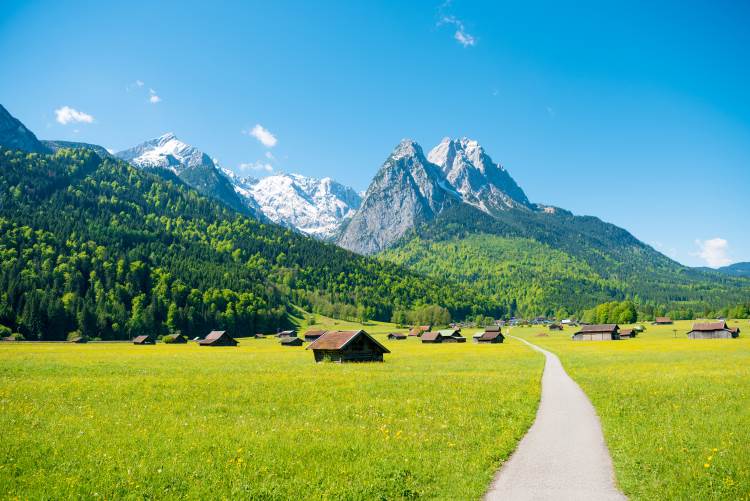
point(636, 112)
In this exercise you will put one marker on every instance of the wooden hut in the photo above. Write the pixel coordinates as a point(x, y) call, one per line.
point(419, 330)
point(396, 336)
point(313, 335)
point(291, 333)
point(175, 339)
point(475, 337)
point(452, 336)
point(291, 341)
point(218, 338)
point(713, 330)
point(663, 321)
point(79, 340)
point(347, 346)
point(493, 337)
point(555, 327)
point(627, 333)
point(431, 337)
point(145, 339)
point(602, 332)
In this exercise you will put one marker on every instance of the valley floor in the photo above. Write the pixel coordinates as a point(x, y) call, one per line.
point(115, 420)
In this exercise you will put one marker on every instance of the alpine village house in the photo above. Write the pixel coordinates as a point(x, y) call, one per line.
point(601, 332)
point(347, 346)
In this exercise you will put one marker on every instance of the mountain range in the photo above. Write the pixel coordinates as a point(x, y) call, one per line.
point(453, 214)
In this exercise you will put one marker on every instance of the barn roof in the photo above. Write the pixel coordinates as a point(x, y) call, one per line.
point(662, 320)
point(710, 326)
point(492, 328)
point(337, 340)
point(490, 335)
point(450, 332)
point(430, 336)
point(626, 332)
point(593, 329)
point(397, 334)
point(142, 339)
point(214, 335)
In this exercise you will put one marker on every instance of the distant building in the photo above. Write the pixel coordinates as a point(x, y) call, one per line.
point(713, 330)
point(555, 327)
point(218, 338)
point(291, 341)
point(79, 340)
point(396, 336)
point(452, 336)
point(419, 330)
point(260, 336)
point(602, 332)
point(663, 321)
point(291, 333)
point(313, 335)
point(347, 346)
point(491, 336)
point(628, 333)
point(175, 339)
point(145, 339)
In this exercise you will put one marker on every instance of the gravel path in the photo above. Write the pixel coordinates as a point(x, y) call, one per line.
point(563, 456)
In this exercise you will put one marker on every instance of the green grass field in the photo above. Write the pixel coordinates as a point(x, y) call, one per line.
point(675, 411)
point(259, 421)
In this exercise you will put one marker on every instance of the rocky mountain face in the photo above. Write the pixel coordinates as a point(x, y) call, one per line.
point(410, 189)
point(407, 190)
point(316, 207)
point(15, 136)
point(480, 181)
point(189, 164)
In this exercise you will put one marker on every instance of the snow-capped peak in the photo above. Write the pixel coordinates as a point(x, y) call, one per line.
point(314, 206)
point(168, 152)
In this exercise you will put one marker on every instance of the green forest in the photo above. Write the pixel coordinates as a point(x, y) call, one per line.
point(97, 248)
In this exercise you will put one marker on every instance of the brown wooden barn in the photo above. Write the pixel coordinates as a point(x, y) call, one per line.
point(663, 321)
point(628, 333)
point(347, 346)
point(491, 337)
point(291, 341)
point(287, 334)
point(431, 337)
point(396, 336)
point(218, 338)
point(313, 335)
point(419, 330)
point(145, 339)
point(175, 339)
point(713, 330)
point(602, 332)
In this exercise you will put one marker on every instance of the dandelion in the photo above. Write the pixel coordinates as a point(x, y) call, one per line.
point(706, 465)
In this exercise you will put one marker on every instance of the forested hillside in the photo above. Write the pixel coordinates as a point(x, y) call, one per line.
point(536, 263)
point(98, 247)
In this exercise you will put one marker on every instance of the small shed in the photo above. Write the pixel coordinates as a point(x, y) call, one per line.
point(492, 337)
point(313, 335)
point(291, 333)
point(663, 321)
point(476, 336)
point(347, 346)
point(452, 336)
point(601, 332)
point(291, 341)
point(555, 327)
point(396, 336)
point(713, 330)
point(628, 333)
point(145, 339)
point(79, 340)
point(431, 337)
point(218, 338)
point(419, 330)
point(175, 339)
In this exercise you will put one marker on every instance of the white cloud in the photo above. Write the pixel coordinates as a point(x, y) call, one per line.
point(263, 135)
point(270, 156)
point(713, 251)
point(256, 166)
point(139, 83)
point(153, 97)
point(461, 35)
point(66, 115)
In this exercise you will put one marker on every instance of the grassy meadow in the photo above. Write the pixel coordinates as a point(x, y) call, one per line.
point(675, 411)
point(259, 421)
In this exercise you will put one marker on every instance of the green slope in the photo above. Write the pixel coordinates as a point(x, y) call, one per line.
point(540, 263)
point(95, 245)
